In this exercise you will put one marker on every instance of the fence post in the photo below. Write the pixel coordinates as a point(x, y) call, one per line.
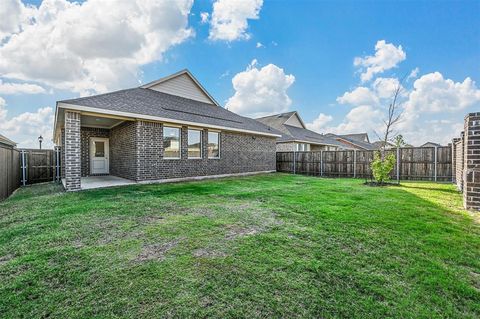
point(398, 164)
point(321, 163)
point(436, 152)
point(24, 177)
point(294, 159)
point(354, 163)
point(55, 174)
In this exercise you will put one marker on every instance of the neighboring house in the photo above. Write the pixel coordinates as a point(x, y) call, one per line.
point(430, 144)
point(354, 141)
point(7, 142)
point(295, 135)
point(167, 129)
point(380, 144)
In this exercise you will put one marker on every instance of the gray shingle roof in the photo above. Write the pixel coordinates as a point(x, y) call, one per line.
point(302, 134)
point(293, 133)
point(361, 137)
point(153, 103)
point(361, 144)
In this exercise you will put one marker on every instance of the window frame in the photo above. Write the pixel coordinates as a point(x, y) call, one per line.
point(200, 131)
point(218, 143)
point(179, 142)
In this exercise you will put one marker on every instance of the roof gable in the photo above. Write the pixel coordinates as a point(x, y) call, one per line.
point(295, 120)
point(182, 84)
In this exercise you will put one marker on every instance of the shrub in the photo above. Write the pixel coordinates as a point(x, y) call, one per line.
point(382, 166)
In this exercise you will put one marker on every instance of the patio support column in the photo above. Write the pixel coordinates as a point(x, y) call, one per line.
point(471, 168)
point(72, 151)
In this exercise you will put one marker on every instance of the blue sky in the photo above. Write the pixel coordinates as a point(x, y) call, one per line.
point(283, 55)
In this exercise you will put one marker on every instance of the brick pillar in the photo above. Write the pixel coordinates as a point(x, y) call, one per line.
point(471, 168)
point(72, 151)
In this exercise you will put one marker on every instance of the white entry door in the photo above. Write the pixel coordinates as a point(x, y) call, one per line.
point(99, 151)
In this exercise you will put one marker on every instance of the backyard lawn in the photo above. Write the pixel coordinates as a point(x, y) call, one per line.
point(265, 246)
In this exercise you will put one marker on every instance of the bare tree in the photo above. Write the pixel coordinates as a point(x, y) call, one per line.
point(394, 115)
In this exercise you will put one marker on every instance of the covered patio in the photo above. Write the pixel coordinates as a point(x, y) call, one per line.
point(94, 150)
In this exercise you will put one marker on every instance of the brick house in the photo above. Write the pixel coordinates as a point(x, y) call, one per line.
point(169, 129)
point(296, 136)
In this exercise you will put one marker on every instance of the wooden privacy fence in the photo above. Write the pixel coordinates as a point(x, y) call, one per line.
point(9, 170)
point(412, 163)
point(38, 166)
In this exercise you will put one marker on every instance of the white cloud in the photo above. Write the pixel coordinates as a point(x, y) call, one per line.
point(387, 56)
point(229, 20)
point(20, 88)
point(359, 96)
point(432, 93)
point(93, 46)
point(260, 91)
point(427, 108)
point(385, 87)
point(13, 13)
point(413, 74)
point(363, 118)
point(320, 122)
point(25, 128)
point(204, 17)
point(259, 45)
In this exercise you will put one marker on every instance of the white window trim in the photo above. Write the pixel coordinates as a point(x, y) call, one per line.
point(219, 147)
point(201, 143)
point(179, 142)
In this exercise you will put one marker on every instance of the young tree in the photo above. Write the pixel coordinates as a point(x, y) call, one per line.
point(399, 141)
point(394, 115)
point(382, 164)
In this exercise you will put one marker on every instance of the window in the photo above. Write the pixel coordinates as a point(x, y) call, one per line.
point(99, 149)
point(213, 145)
point(171, 142)
point(194, 144)
point(302, 147)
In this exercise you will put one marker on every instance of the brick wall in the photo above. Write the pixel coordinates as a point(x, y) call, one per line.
point(286, 147)
point(62, 150)
point(123, 150)
point(136, 152)
point(471, 189)
point(239, 153)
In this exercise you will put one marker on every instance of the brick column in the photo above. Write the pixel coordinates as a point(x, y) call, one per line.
point(72, 151)
point(471, 165)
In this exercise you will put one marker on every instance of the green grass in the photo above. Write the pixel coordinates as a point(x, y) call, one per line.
point(265, 246)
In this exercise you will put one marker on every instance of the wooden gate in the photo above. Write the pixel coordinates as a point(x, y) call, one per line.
point(38, 166)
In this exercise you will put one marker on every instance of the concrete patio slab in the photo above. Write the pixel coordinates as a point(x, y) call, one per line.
point(91, 182)
point(104, 181)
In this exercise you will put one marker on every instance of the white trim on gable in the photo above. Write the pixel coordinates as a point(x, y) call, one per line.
point(183, 84)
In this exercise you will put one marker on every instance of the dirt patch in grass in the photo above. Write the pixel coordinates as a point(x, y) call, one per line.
point(208, 253)
point(235, 231)
point(156, 251)
point(6, 258)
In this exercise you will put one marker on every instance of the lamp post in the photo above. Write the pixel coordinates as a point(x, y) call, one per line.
point(40, 140)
